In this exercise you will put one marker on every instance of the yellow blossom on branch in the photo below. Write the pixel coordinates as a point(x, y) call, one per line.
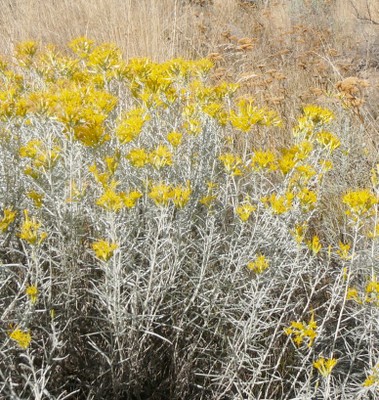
point(232, 163)
point(372, 291)
point(318, 115)
point(8, 217)
point(302, 331)
point(32, 292)
point(130, 199)
point(36, 197)
point(299, 232)
point(30, 230)
point(110, 200)
point(138, 157)
point(325, 365)
point(343, 251)
point(23, 338)
point(314, 245)
point(259, 265)
point(161, 194)
point(104, 249)
point(244, 210)
point(180, 195)
point(360, 203)
point(160, 157)
point(328, 140)
point(307, 198)
point(373, 378)
point(263, 159)
point(353, 294)
point(175, 138)
point(248, 115)
point(279, 204)
point(131, 125)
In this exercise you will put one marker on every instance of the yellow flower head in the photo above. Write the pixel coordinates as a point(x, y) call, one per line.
point(373, 378)
point(307, 198)
point(299, 232)
point(32, 292)
point(175, 138)
point(161, 194)
point(81, 46)
point(244, 210)
point(359, 202)
point(8, 217)
point(248, 115)
point(314, 245)
point(259, 265)
point(131, 125)
point(138, 157)
point(343, 251)
point(207, 200)
point(130, 199)
point(180, 195)
point(36, 197)
point(104, 250)
point(232, 163)
point(303, 331)
point(318, 115)
point(353, 294)
point(110, 200)
point(279, 204)
point(372, 291)
point(325, 365)
point(30, 230)
point(23, 338)
point(328, 140)
point(160, 157)
point(263, 159)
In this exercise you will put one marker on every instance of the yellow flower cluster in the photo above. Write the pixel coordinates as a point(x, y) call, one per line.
point(370, 295)
point(233, 164)
point(21, 337)
point(208, 199)
point(32, 292)
point(299, 232)
point(303, 331)
point(112, 201)
point(159, 157)
point(131, 125)
point(104, 249)
point(8, 217)
point(175, 138)
point(248, 115)
point(343, 251)
point(162, 194)
point(314, 245)
point(30, 230)
point(360, 203)
point(325, 365)
point(279, 204)
point(373, 378)
point(41, 156)
point(259, 265)
point(36, 197)
point(244, 210)
point(308, 199)
point(263, 160)
point(313, 118)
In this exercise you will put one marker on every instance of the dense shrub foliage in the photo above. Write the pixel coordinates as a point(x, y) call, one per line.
point(156, 245)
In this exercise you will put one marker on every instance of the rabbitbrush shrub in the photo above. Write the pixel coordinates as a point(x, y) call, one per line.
point(151, 249)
